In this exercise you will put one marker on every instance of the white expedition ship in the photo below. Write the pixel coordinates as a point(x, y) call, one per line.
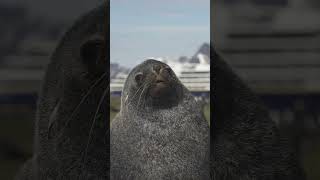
point(194, 75)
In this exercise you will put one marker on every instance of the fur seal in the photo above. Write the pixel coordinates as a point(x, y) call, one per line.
point(160, 131)
point(245, 142)
point(70, 121)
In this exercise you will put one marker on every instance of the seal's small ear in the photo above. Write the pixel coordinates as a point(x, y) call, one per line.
point(92, 55)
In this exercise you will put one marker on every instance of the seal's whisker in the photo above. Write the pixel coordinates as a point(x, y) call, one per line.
point(136, 93)
point(105, 135)
point(94, 120)
point(141, 93)
point(82, 101)
point(130, 101)
point(144, 99)
point(145, 87)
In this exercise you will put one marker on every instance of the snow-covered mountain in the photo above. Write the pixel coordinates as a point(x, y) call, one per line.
point(202, 53)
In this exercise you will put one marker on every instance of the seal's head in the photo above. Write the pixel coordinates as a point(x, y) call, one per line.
point(152, 84)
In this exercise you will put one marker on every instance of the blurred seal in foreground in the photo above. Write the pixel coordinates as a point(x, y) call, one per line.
point(160, 131)
point(245, 142)
point(70, 125)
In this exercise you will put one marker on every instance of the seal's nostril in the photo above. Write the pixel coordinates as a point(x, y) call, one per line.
point(159, 81)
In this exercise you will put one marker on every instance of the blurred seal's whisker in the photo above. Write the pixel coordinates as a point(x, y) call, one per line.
point(94, 120)
point(97, 82)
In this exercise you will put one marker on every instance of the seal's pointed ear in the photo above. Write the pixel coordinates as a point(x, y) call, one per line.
point(92, 55)
point(53, 119)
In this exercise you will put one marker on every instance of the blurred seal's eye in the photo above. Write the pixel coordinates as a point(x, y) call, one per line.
point(139, 77)
point(91, 53)
point(167, 71)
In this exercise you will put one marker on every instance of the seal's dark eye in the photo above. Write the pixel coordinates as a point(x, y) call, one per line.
point(139, 77)
point(166, 71)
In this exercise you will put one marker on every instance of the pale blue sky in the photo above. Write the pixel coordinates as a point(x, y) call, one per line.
point(157, 28)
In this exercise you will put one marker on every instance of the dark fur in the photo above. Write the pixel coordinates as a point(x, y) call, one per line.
point(148, 141)
point(245, 143)
point(61, 141)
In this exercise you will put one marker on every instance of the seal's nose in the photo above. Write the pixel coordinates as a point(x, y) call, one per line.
point(160, 79)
